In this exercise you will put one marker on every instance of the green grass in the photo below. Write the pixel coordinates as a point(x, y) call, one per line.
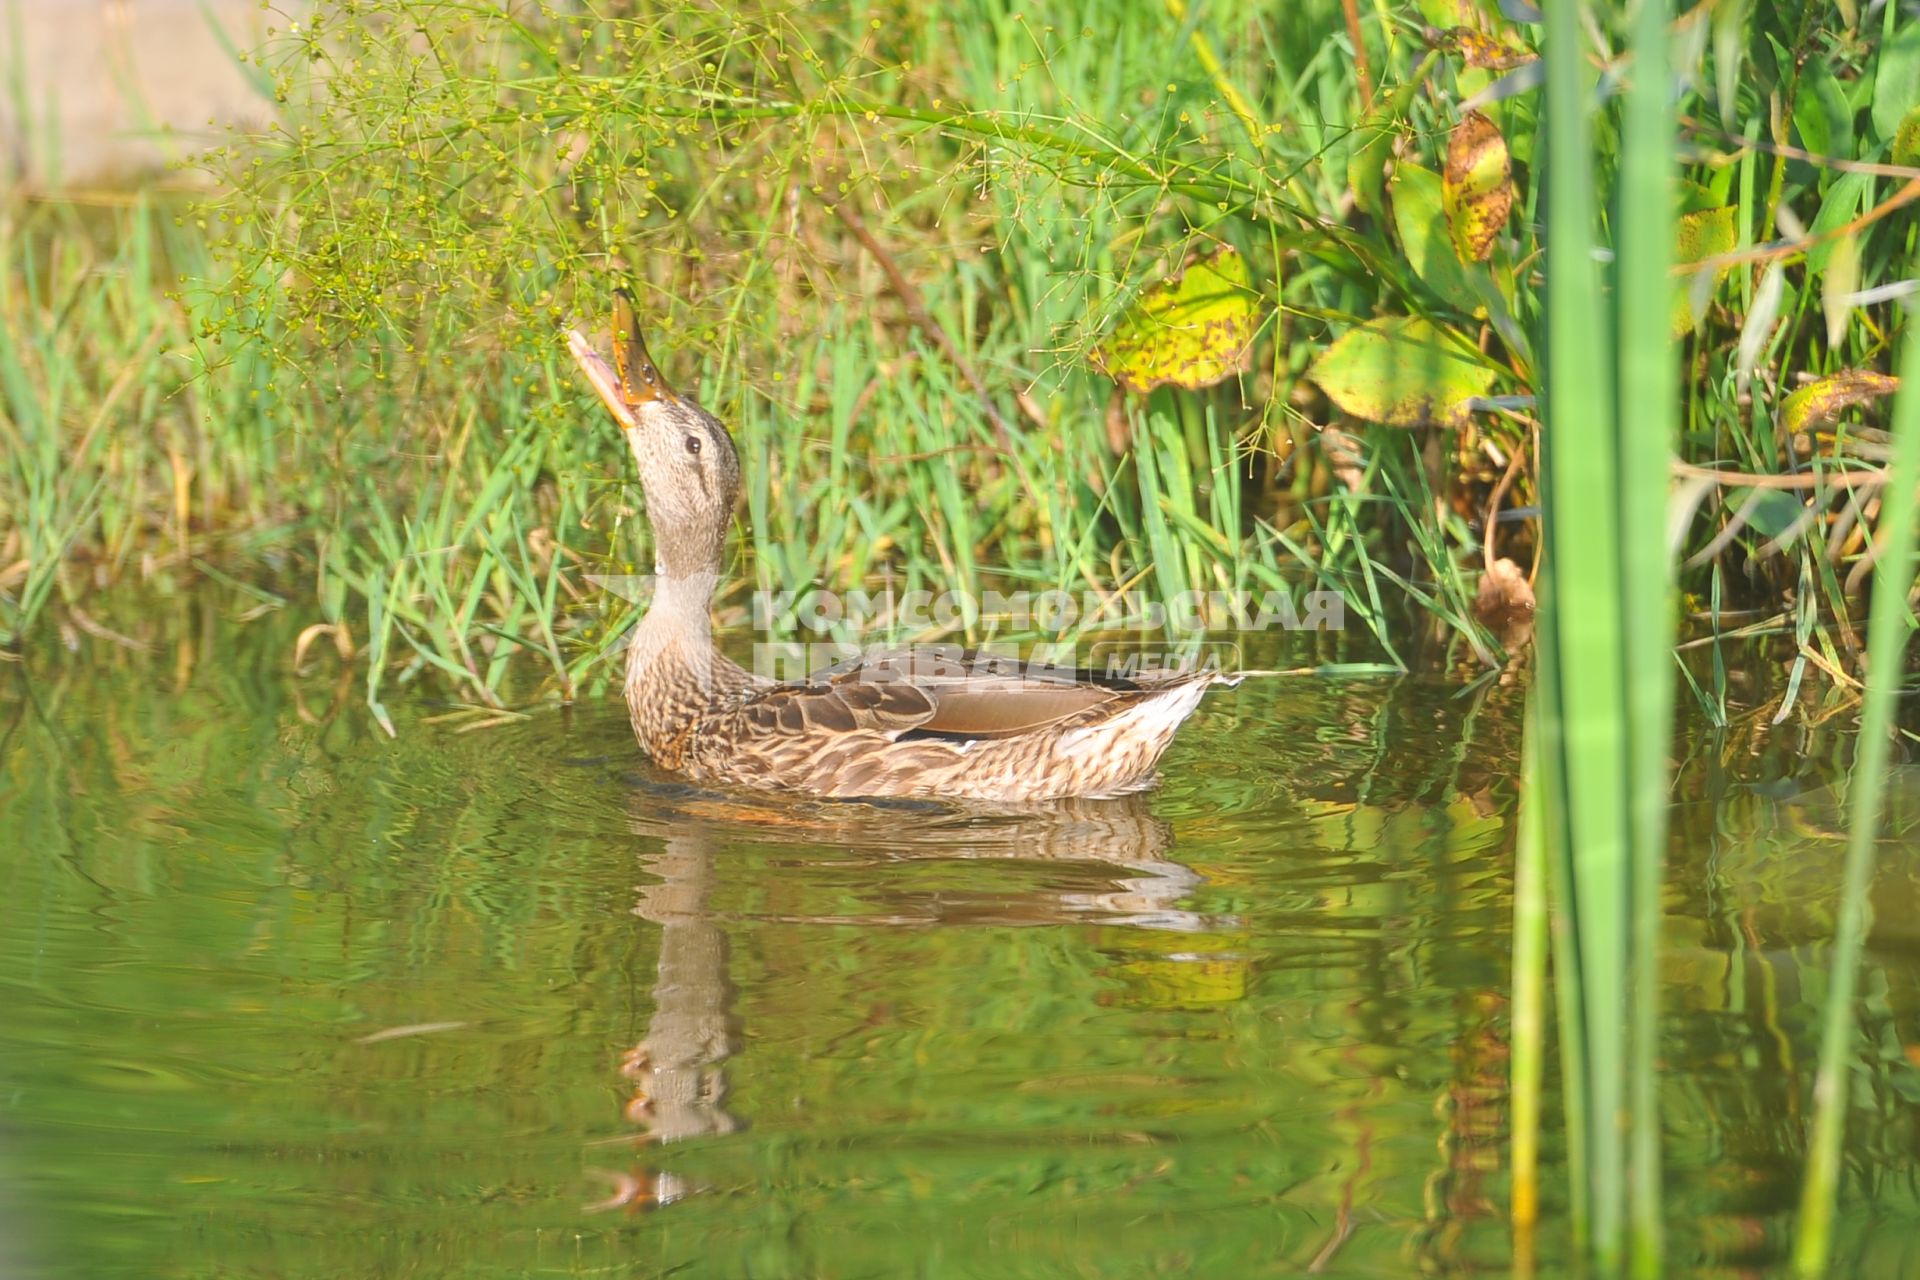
point(366, 324)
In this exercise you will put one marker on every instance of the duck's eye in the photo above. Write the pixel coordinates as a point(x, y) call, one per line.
point(693, 444)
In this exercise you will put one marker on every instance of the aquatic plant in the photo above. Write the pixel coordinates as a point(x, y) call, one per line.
point(1888, 630)
point(1593, 836)
point(1601, 723)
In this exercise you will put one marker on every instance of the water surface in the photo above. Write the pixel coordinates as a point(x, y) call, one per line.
point(284, 997)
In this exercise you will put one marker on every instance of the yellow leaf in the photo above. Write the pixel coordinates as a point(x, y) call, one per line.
point(1819, 403)
point(1906, 139)
point(1477, 186)
point(1699, 236)
point(1192, 330)
point(1503, 52)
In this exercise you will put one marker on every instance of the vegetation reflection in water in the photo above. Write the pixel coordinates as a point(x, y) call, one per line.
point(287, 998)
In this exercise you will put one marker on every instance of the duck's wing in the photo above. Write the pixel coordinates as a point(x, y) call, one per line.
point(837, 705)
point(1000, 707)
point(922, 694)
point(906, 722)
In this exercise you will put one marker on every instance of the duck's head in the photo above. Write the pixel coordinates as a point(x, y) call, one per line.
point(688, 468)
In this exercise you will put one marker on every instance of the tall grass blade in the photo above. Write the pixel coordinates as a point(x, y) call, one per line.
point(1583, 699)
point(1605, 695)
point(1648, 428)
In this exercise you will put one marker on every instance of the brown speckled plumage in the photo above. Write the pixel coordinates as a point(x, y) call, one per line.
point(927, 723)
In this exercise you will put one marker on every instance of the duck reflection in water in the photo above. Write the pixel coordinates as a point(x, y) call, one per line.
point(677, 1072)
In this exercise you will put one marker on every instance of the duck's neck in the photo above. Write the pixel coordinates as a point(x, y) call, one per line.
point(674, 673)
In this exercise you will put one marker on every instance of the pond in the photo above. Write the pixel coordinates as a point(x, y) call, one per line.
point(286, 997)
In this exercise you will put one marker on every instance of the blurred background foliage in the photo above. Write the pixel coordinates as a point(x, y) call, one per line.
point(906, 253)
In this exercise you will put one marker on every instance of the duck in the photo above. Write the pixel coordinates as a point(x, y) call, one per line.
point(935, 723)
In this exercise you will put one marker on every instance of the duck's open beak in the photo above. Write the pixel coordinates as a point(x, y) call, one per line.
point(631, 380)
point(639, 380)
point(606, 383)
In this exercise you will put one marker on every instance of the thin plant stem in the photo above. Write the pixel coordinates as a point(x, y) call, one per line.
point(1529, 994)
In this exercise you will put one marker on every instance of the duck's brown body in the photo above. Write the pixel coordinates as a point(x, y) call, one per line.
point(920, 723)
point(904, 724)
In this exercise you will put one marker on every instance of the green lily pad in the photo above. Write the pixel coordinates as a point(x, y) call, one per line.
point(1403, 371)
point(1191, 330)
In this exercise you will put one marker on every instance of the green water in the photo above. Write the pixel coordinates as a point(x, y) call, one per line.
point(284, 997)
